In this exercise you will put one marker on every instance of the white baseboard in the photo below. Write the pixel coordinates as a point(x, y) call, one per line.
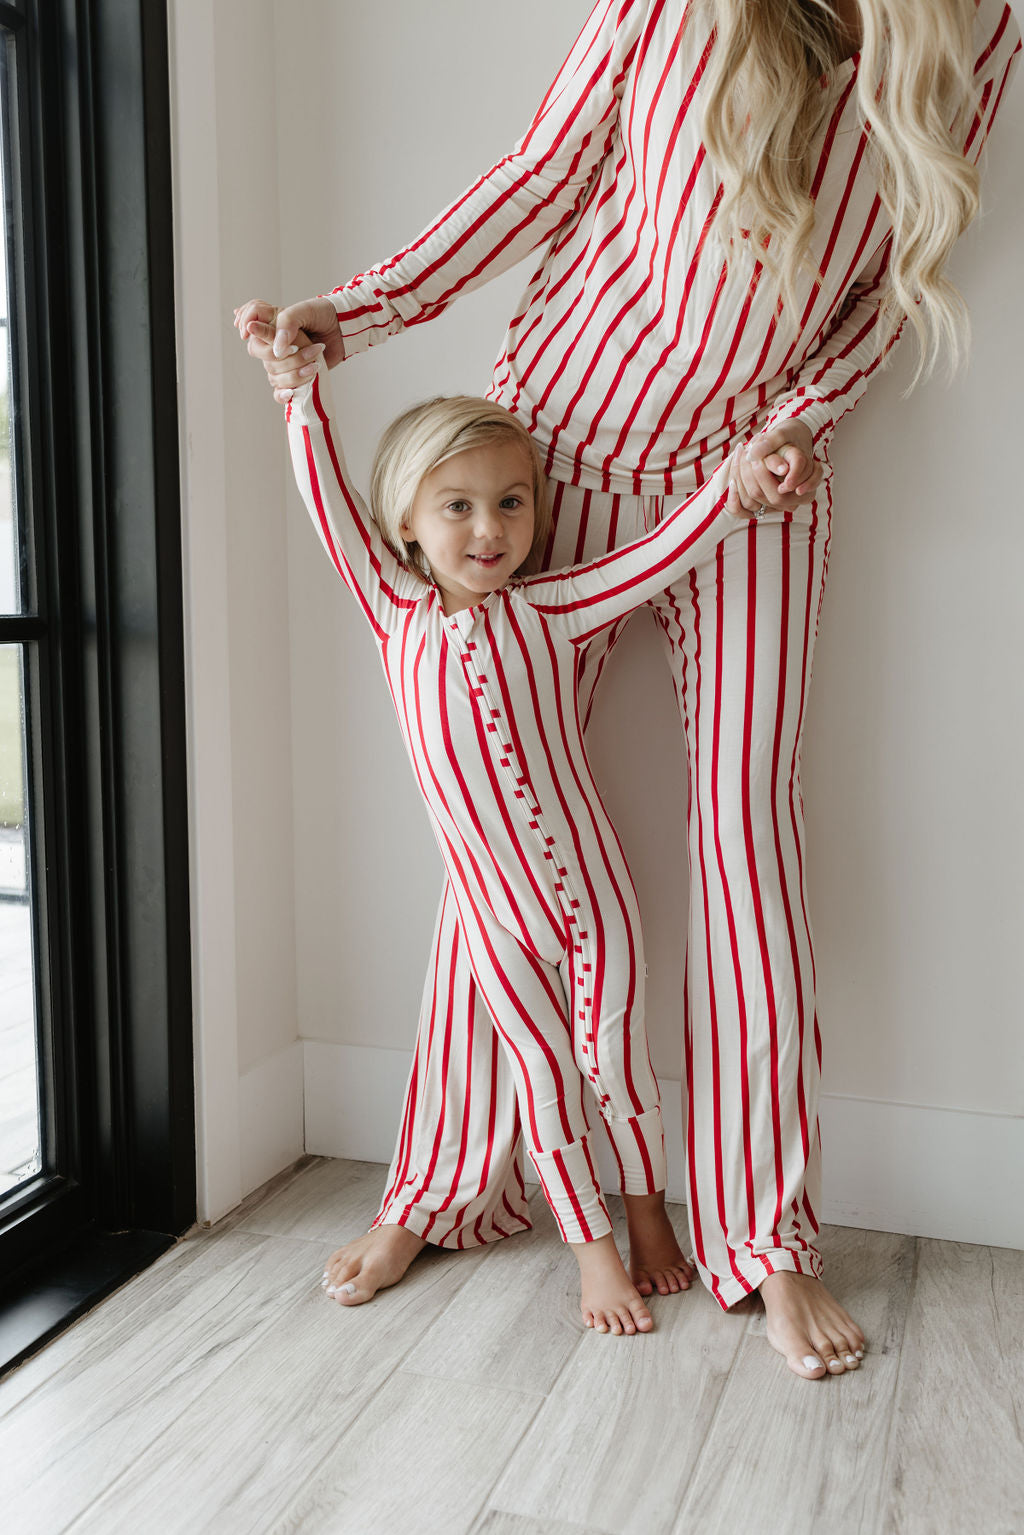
point(947, 1173)
point(270, 1115)
point(354, 1099)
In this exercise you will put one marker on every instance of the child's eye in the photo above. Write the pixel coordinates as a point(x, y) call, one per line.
point(511, 503)
point(457, 507)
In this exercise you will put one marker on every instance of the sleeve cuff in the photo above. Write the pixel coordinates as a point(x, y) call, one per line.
point(365, 315)
point(301, 410)
point(808, 409)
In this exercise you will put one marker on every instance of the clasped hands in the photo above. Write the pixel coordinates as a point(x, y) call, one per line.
point(776, 471)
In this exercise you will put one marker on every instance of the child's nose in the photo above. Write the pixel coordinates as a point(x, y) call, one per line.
point(488, 522)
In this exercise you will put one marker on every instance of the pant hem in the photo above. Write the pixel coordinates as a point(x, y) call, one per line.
point(462, 1236)
point(728, 1290)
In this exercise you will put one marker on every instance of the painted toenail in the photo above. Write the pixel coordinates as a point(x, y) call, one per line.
point(323, 1282)
point(348, 1289)
point(332, 1289)
point(812, 1362)
point(860, 1353)
point(850, 1359)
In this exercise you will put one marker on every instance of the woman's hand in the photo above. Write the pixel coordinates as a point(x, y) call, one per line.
point(776, 471)
point(281, 339)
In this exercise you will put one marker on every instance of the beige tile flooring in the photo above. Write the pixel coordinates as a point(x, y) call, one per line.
point(221, 1391)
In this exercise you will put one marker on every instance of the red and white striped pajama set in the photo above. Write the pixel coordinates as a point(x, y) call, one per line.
point(487, 700)
point(639, 367)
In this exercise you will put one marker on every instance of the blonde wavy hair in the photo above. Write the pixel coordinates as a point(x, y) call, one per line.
point(767, 103)
point(429, 434)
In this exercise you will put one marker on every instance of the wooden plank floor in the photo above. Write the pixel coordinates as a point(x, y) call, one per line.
point(221, 1391)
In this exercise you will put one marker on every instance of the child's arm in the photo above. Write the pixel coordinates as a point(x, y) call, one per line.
point(587, 598)
point(384, 588)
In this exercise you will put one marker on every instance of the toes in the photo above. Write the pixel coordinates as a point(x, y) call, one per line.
point(810, 1366)
point(846, 1349)
point(833, 1364)
point(340, 1284)
point(341, 1273)
point(644, 1285)
point(639, 1314)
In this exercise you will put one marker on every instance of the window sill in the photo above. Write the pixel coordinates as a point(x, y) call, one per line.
point(56, 1292)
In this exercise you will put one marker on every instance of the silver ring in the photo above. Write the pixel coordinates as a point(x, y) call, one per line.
point(760, 511)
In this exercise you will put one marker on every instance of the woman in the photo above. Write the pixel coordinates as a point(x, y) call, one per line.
point(726, 255)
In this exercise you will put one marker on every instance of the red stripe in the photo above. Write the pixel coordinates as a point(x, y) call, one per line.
point(755, 883)
point(559, 1160)
point(695, 1209)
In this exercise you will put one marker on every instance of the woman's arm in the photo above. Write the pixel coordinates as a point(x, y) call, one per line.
point(384, 588)
point(520, 201)
point(833, 378)
point(587, 598)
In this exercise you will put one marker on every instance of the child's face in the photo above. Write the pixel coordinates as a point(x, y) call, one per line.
point(473, 518)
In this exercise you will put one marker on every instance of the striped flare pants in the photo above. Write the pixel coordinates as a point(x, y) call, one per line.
point(738, 634)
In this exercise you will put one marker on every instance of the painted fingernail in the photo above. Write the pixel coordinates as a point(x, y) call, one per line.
point(282, 349)
point(305, 372)
point(312, 352)
point(812, 1362)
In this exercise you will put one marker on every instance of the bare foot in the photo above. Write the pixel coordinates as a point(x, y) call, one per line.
point(656, 1260)
point(809, 1327)
point(609, 1300)
point(358, 1270)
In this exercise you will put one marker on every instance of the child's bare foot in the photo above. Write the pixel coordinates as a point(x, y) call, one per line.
point(358, 1270)
point(609, 1300)
point(656, 1260)
point(809, 1327)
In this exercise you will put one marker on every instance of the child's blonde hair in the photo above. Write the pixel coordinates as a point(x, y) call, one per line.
point(428, 435)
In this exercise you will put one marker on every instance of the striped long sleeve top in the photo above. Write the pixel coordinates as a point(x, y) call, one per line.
point(636, 363)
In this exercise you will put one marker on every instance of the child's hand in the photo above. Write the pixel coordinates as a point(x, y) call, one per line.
point(777, 470)
point(289, 353)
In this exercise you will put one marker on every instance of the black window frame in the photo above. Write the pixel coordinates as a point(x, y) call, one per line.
point(95, 370)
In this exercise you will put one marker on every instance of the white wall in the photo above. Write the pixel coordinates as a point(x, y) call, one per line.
point(383, 114)
point(249, 1079)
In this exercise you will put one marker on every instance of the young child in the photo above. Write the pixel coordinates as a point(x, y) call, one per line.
point(481, 655)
